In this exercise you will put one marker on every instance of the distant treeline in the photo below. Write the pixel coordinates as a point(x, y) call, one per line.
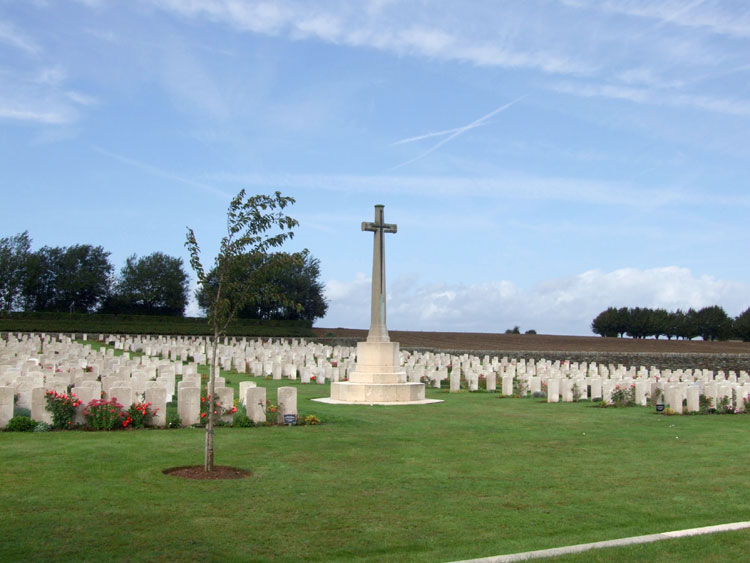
point(146, 324)
point(81, 279)
point(709, 323)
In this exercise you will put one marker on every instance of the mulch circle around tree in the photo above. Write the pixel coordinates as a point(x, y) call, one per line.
point(197, 472)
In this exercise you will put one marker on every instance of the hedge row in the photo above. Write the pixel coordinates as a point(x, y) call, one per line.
point(145, 324)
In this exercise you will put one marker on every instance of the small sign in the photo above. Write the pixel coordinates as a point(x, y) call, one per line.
point(660, 408)
point(290, 419)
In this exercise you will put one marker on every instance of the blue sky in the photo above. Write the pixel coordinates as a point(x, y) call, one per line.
point(543, 159)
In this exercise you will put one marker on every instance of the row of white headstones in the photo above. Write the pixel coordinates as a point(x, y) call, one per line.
point(149, 366)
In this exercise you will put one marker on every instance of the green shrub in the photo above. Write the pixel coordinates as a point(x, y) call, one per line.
point(173, 420)
point(20, 411)
point(219, 410)
point(42, 427)
point(623, 397)
point(139, 415)
point(311, 420)
point(241, 420)
point(104, 415)
point(20, 424)
point(62, 406)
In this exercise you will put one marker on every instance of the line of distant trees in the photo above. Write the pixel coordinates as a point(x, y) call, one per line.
point(81, 279)
point(709, 323)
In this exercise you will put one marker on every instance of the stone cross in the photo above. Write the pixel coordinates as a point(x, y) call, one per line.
point(378, 331)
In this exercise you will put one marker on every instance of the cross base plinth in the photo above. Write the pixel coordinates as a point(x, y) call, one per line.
point(346, 392)
point(378, 379)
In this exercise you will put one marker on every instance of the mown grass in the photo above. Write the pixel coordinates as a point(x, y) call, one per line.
point(473, 476)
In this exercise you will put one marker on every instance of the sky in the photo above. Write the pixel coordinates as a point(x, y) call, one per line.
point(543, 159)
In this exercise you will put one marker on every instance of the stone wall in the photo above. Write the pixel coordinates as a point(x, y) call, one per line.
point(715, 362)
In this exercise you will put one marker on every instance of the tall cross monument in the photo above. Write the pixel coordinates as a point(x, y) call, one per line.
point(378, 377)
point(378, 330)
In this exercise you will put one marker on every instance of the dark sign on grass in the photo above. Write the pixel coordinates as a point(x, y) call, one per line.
point(290, 419)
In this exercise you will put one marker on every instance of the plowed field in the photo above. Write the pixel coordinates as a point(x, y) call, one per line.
point(543, 342)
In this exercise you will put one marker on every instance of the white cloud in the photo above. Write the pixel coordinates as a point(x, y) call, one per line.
point(51, 76)
point(81, 99)
point(390, 27)
point(654, 97)
point(11, 36)
point(508, 187)
point(27, 114)
point(555, 306)
point(695, 14)
point(38, 96)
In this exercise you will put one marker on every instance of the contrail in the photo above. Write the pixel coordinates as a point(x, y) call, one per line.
point(428, 135)
point(161, 173)
point(458, 131)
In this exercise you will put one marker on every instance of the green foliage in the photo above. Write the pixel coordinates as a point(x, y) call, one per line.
point(294, 276)
point(140, 415)
point(520, 387)
point(609, 323)
point(63, 407)
point(742, 325)
point(156, 284)
point(145, 324)
point(20, 424)
point(711, 323)
point(725, 406)
point(255, 226)
point(104, 414)
point(74, 278)
point(271, 415)
point(241, 420)
point(42, 427)
point(311, 420)
point(14, 253)
point(714, 323)
point(624, 396)
point(515, 330)
point(21, 411)
point(219, 410)
point(173, 420)
point(246, 243)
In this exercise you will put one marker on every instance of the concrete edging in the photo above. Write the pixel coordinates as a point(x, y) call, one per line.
point(556, 551)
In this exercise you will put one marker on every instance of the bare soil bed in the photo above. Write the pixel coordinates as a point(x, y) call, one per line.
point(197, 472)
point(542, 342)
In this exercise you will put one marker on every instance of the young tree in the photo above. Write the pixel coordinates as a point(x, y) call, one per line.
point(153, 284)
point(14, 252)
point(255, 225)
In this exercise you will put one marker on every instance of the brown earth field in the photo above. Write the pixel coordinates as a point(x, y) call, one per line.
point(468, 341)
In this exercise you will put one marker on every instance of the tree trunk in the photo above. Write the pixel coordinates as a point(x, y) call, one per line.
point(208, 464)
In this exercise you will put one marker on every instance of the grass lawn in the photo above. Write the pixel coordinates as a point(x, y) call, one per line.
point(474, 476)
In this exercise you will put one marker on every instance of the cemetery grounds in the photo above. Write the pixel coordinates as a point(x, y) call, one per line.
point(474, 476)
